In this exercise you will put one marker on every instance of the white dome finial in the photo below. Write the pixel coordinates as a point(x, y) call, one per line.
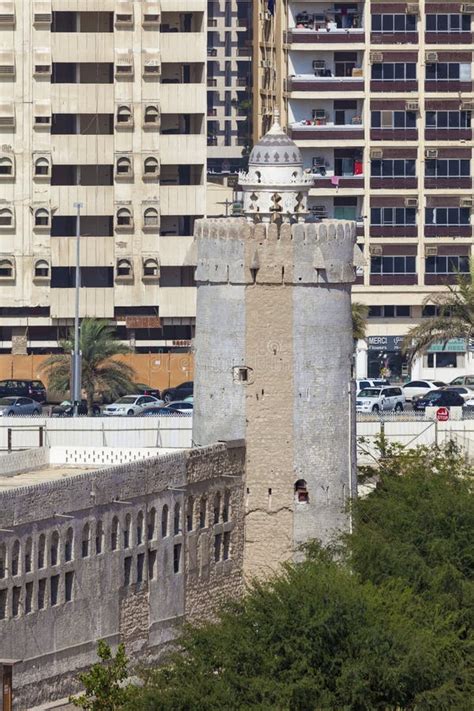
point(276, 128)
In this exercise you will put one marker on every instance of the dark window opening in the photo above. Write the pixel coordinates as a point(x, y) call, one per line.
point(54, 589)
point(68, 586)
point(301, 491)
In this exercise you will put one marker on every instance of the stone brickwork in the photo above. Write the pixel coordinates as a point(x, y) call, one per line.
point(121, 554)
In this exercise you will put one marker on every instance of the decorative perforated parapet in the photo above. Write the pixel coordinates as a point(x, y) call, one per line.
point(232, 250)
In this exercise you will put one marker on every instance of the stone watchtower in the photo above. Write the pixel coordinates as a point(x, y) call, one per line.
point(273, 354)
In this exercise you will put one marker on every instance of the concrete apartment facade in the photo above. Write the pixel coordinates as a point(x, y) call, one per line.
point(379, 98)
point(102, 103)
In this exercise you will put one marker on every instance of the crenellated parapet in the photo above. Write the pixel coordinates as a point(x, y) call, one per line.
point(233, 250)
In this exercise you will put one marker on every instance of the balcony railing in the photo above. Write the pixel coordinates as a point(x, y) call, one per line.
point(211, 52)
point(449, 38)
point(394, 37)
point(393, 279)
point(448, 230)
point(393, 134)
point(323, 36)
point(336, 181)
point(321, 130)
point(309, 82)
point(451, 85)
point(388, 86)
point(448, 134)
point(393, 231)
point(445, 183)
point(397, 182)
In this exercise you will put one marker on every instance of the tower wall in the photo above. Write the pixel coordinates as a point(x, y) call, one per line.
point(288, 303)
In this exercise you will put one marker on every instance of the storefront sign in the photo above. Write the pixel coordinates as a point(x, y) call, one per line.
point(385, 343)
point(455, 345)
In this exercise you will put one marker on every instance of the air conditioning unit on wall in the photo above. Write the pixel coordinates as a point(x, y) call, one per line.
point(376, 250)
point(412, 106)
point(431, 251)
point(411, 202)
point(431, 153)
point(431, 57)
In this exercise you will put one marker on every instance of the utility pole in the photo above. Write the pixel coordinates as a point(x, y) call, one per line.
point(76, 358)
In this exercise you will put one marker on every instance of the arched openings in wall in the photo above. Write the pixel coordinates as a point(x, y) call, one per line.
point(7, 167)
point(151, 117)
point(151, 218)
point(203, 512)
point(124, 269)
point(123, 219)
point(301, 492)
point(86, 541)
point(99, 537)
point(217, 507)
point(226, 506)
point(54, 548)
point(41, 551)
point(127, 531)
point(15, 559)
point(123, 167)
point(69, 545)
point(151, 269)
point(28, 555)
point(164, 521)
point(114, 533)
point(177, 519)
point(124, 116)
point(190, 514)
point(41, 269)
point(7, 218)
point(42, 217)
point(151, 524)
point(42, 167)
point(151, 168)
point(139, 527)
point(7, 269)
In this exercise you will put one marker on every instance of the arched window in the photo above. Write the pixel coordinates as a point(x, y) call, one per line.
point(86, 536)
point(6, 268)
point(114, 533)
point(301, 491)
point(151, 523)
point(151, 167)
point(150, 268)
point(152, 116)
point(124, 268)
point(6, 167)
point(41, 550)
point(177, 519)
point(99, 537)
point(164, 521)
point(6, 217)
point(203, 513)
point(151, 217)
point(16, 558)
point(69, 545)
point(190, 514)
point(28, 555)
point(226, 507)
point(42, 167)
point(124, 115)
point(123, 218)
point(54, 548)
point(126, 531)
point(42, 269)
point(217, 508)
point(3, 560)
point(123, 167)
point(139, 528)
point(42, 218)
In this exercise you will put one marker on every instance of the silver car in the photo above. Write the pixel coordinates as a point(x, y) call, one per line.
point(132, 405)
point(19, 406)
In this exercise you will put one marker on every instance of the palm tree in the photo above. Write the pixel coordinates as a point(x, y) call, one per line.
point(100, 373)
point(455, 317)
point(359, 320)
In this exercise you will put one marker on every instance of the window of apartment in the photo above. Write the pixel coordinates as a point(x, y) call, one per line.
point(393, 265)
point(394, 23)
point(448, 23)
point(394, 71)
point(444, 168)
point(446, 71)
point(389, 311)
point(447, 265)
point(394, 168)
point(393, 119)
point(447, 216)
point(393, 216)
point(444, 360)
point(432, 311)
point(91, 277)
point(448, 119)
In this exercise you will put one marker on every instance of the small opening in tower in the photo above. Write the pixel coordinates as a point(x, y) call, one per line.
point(241, 374)
point(301, 491)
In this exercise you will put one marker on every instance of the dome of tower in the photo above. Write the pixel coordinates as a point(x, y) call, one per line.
point(275, 148)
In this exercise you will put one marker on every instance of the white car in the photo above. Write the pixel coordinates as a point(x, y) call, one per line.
point(132, 405)
point(184, 407)
point(420, 387)
point(378, 399)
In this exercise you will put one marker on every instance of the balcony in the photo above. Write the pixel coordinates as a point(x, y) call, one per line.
point(393, 231)
point(445, 85)
point(306, 36)
point(390, 86)
point(336, 181)
point(324, 130)
point(440, 279)
point(309, 82)
point(448, 134)
point(445, 183)
point(394, 37)
point(448, 231)
point(393, 134)
point(397, 182)
point(393, 279)
point(449, 38)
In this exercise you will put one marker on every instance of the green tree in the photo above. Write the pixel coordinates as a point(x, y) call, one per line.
point(455, 317)
point(103, 683)
point(100, 373)
point(359, 320)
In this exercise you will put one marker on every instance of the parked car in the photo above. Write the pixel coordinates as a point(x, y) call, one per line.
point(465, 393)
point(160, 411)
point(377, 399)
point(66, 409)
point(420, 387)
point(466, 380)
point(132, 405)
point(178, 393)
point(33, 389)
point(370, 383)
point(19, 406)
point(183, 407)
point(147, 390)
point(438, 398)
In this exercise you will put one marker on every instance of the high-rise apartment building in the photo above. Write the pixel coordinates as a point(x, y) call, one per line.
point(379, 98)
point(229, 84)
point(101, 103)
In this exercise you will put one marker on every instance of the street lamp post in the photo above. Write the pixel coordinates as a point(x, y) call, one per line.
point(76, 358)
